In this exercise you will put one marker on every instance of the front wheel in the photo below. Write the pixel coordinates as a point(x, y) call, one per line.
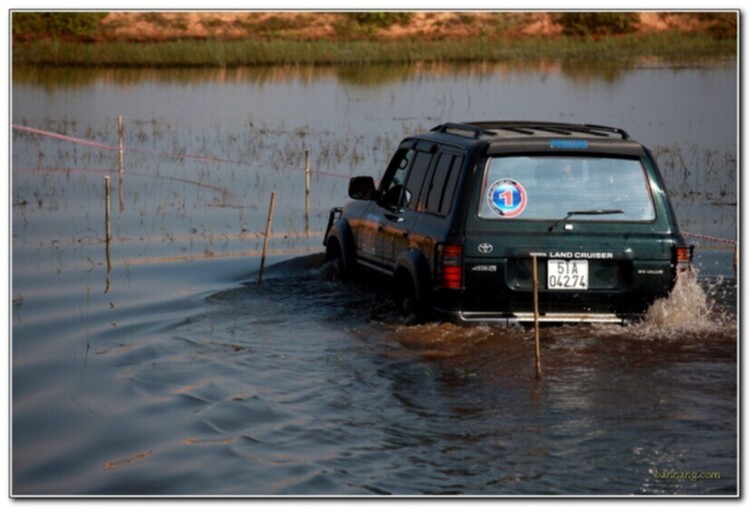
point(335, 267)
point(334, 270)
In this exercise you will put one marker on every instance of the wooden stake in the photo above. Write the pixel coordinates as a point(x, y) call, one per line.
point(120, 142)
point(121, 192)
point(265, 239)
point(108, 234)
point(537, 349)
point(107, 230)
point(307, 192)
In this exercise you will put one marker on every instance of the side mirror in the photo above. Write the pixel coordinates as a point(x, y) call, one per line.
point(362, 187)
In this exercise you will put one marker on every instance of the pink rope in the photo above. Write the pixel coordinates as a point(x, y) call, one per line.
point(711, 238)
point(102, 146)
point(215, 188)
point(337, 175)
point(64, 138)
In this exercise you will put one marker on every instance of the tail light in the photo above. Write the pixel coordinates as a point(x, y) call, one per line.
point(683, 257)
point(450, 266)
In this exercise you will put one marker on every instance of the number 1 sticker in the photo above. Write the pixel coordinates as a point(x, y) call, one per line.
point(507, 198)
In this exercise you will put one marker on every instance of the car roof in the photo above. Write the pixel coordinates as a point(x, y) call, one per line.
point(525, 134)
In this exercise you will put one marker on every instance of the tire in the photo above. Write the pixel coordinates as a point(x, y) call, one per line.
point(407, 303)
point(335, 268)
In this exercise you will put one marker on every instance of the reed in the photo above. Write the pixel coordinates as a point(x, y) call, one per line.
point(669, 46)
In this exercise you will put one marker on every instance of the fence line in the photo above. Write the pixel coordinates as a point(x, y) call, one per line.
point(711, 238)
point(210, 158)
point(102, 146)
point(62, 137)
point(221, 190)
point(719, 240)
point(326, 173)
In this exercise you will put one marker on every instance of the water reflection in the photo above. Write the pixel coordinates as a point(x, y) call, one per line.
point(577, 71)
point(587, 72)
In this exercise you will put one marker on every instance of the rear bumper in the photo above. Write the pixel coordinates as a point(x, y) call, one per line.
point(520, 318)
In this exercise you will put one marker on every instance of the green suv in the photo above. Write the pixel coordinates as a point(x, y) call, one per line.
point(464, 211)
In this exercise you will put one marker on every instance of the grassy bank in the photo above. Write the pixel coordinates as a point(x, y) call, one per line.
point(673, 47)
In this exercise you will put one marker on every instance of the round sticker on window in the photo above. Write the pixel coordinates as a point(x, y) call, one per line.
point(507, 198)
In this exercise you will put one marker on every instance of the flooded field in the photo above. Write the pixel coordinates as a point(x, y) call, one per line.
point(165, 369)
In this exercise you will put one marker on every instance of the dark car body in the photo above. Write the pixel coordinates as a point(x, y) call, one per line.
point(463, 211)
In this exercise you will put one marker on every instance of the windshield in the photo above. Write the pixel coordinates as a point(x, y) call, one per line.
point(548, 188)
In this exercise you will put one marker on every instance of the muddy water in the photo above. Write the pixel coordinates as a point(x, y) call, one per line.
point(174, 372)
point(302, 386)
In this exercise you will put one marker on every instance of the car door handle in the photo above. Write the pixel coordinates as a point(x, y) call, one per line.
point(394, 218)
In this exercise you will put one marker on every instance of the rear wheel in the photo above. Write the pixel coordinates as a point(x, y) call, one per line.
point(407, 300)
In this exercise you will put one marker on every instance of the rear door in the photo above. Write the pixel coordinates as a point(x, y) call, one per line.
point(437, 204)
point(600, 234)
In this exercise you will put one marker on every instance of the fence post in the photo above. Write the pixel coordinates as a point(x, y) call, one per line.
point(537, 348)
point(107, 229)
point(265, 239)
point(120, 143)
point(307, 192)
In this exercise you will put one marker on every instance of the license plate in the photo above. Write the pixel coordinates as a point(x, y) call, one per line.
point(572, 275)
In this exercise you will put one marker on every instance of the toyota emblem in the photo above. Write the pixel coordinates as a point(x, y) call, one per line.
point(485, 248)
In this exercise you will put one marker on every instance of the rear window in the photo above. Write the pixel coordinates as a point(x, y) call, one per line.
point(549, 188)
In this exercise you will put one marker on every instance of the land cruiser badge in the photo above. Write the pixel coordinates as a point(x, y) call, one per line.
point(484, 248)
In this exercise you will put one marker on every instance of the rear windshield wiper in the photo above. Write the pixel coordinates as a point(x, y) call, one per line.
point(583, 212)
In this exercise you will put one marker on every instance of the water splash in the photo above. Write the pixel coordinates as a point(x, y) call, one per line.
point(690, 308)
point(686, 307)
point(697, 311)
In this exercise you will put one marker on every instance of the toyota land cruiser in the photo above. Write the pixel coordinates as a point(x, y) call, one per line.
point(462, 211)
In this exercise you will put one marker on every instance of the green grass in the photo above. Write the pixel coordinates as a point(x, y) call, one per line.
point(669, 47)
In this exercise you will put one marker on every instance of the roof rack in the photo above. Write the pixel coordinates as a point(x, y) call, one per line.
point(461, 129)
point(526, 127)
point(616, 130)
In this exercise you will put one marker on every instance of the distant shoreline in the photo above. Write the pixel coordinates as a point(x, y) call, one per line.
point(670, 48)
point(253, 38)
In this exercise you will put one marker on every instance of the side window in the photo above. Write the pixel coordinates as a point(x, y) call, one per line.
point(443, 184)
point(416, 179)
point(392, 186)
point(446, 202)
point(437, 184)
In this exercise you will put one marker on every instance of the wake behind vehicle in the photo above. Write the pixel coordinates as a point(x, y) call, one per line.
point(461, 210)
